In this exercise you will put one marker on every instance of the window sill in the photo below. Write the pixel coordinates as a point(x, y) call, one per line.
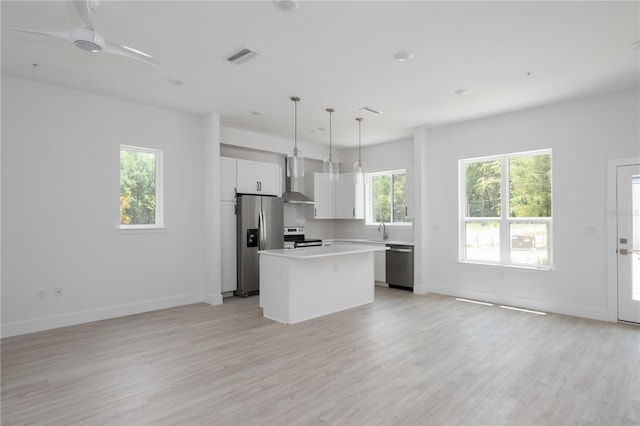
point(498, 265)
point(405, 225)
point(141, 230)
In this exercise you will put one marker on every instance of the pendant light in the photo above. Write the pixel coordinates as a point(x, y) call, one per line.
point(295, 159)
point(358, 166)
point(330, 165)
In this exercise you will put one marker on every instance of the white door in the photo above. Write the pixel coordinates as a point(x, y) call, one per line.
point(628, 217)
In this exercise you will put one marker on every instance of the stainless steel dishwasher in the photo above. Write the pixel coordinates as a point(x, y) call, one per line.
point(399, 265)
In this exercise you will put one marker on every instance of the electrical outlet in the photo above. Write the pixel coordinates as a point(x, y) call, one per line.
point(42, 293)
point(57, 292)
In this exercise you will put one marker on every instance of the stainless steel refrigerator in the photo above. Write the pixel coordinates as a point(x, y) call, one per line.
point(260, 226)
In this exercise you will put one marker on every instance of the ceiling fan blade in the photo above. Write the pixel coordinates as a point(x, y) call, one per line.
point(85, 10)
point(65, 35)
point(119, 49)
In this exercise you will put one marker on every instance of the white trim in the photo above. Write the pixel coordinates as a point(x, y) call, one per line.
point(612, 233)
point(159, 212)
point(81, 317)
point(522, 302)
point(368, 199)
point(141, 229)
point(505, 220)
point(213, 299)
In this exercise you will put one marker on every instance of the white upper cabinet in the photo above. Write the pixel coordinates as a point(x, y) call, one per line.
point(227, 179)
point(410, 208)
point(258, 178)
point(349, 198)
point(342, 199)
point(322, 195)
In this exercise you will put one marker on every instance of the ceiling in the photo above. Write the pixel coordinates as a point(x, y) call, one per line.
point(510, 55)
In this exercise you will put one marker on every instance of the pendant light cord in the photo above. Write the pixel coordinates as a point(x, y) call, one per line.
point(359, 139)
point(330, 111)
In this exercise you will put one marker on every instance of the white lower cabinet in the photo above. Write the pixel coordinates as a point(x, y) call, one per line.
point(228, 246)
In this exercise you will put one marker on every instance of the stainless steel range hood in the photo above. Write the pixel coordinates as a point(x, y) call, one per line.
point(292, 193)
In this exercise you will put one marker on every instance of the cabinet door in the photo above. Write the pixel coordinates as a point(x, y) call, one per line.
point(268, 177)
point(323, 197)
point(409, 196)
point(227, 179)
point(228, 246)
point(246, 181)
point(349, 198)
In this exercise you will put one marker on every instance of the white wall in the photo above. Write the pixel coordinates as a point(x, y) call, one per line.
point(583, 135)
point(394, 155)
point(262, 142)
point(60, 209)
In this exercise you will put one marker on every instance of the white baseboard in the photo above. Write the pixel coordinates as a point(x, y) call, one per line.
point(520, 302)
point(213, 299)
point(63, 320)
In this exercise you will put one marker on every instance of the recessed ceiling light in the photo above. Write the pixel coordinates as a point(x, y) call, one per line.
point(403, 56)
point(371, 110)
point(242, 56)
point(286, 5)
point(636, 45)
point(462, 92)
point(322, 129)
point(254, 112)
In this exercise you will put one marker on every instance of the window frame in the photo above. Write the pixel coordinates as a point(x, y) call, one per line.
point(369, 198)
point(505, 220)
point(159, 186)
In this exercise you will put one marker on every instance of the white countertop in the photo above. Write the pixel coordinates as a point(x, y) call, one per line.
point(365, 241)
point(324, 251)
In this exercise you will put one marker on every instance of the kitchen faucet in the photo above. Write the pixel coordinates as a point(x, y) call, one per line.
point(384, 230)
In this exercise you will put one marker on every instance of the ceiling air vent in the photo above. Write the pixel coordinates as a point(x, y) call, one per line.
point(241, 56)
point(371, 110)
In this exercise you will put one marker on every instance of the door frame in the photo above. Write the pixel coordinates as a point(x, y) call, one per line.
point(612, 233)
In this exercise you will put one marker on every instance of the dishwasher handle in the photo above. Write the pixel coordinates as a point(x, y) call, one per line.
point(400, 250)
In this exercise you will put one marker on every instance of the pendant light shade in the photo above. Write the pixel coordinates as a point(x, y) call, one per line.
point(358, 166)
point(295, 158)
point(330, 165)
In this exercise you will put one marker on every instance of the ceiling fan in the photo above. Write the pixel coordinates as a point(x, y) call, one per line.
point(87, 38)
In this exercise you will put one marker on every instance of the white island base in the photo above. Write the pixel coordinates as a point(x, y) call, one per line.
point(297, 285)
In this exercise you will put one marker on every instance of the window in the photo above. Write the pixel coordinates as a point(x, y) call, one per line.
point(140, 188)
point(386, 198)
point(506, 211)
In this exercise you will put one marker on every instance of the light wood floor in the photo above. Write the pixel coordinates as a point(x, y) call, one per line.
point(405, 359)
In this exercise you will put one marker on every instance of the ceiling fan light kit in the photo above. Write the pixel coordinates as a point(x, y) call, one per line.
point(86, 38)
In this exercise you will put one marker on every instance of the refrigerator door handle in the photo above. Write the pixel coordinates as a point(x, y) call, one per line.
point(264, 231)
point(260, 231)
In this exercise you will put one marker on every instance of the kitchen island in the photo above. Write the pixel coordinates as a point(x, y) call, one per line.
point(304, 283)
